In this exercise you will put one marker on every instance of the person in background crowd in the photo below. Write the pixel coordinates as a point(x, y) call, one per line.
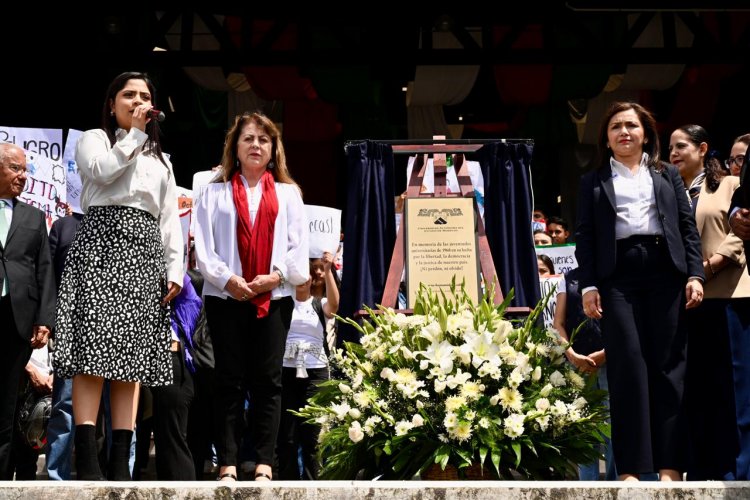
point(737, 154)
point(123, 269)
point(305, 366)
point(712, 434)
point(586, 354)
point(550, 284)
point(541, 238)
point(60, 430)
point(538, 220)
point(27, 288)
point(251, 241)
point(738, 317)
point(640, 264)
point(557, 228)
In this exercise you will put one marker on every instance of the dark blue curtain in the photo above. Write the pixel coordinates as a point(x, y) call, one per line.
point(369, 229)
point(507, 218)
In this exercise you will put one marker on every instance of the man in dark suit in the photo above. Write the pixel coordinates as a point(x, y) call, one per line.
point(27, 294)
point(60, 430)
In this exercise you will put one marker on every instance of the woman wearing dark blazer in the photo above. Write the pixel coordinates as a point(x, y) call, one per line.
point(640, 259)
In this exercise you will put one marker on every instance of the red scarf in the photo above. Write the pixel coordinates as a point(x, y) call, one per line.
point(255, 241)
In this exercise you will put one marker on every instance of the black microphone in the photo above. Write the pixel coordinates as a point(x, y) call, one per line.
point(157, 115)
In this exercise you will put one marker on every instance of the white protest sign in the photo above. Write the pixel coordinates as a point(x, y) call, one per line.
point(563, 256)
point(325, 229)
point(546, 285)
point(45, 184)
point(72, 177)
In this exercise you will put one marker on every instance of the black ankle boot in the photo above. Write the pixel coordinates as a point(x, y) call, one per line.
point(87, 463)
point(119, 456)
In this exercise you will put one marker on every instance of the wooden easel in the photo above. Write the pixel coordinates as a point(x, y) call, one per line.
point(413, 190)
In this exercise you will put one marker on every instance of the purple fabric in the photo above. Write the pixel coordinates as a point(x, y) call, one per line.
point(186, 308)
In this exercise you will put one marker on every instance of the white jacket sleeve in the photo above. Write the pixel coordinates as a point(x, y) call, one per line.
point(211, 264)
point(296, 265)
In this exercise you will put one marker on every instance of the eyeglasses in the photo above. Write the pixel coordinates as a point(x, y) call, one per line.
point(17, 169)
point(737, 160)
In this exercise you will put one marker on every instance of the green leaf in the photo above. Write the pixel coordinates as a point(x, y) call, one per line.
point(517, 449)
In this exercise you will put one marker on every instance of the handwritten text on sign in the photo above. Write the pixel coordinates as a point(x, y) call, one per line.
point(325, 229)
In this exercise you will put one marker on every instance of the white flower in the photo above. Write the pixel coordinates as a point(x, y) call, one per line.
point(341, 410)
point(484, 423)
point(559, 409)
point(386, 373)
point(574, 414)
point(536, 375)
point(362, 399)
point(508, 353)
point(543, 422)
point(402, 427)
point(576, 380)
point(514, 425)
point(516, 377)
point(345, 389)
point(432, 332)
point(471, 390)
point(462, 431)
point(439, 385)
point(579, 403)
point(557, 379)
point(542, 404)
point(546, 390)
point(495, 399)
point(450, 420)
point(355, 432)
point(461, 322)
point(501, 332)
point(459, 378)
point(454, 403)
point(510, 399)
point(440, 355)
point(397, 336)
point(357, 380)
point(355, 413)
point(403, 376)
point(420, 405)
point(470, 415)
point(480, 346)
point(417, 420)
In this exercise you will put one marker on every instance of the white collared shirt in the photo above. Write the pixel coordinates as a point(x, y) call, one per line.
point(216, 239)
point(121, 175)
point(635, 200)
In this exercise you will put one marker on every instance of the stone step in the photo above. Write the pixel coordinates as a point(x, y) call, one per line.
point(366, 490)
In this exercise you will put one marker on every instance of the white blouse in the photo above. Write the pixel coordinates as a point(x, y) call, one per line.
point(121, 175)
point(216, 239)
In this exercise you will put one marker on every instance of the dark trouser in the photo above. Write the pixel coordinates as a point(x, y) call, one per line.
point(14, 355)
point(248, 353)
point(200, 419)
point(645, 340)
point(293, 432)
point(712, 426)
point(171, 407)
point(738, 314)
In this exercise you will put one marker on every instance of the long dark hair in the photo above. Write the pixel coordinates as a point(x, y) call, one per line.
point(711, 164)
point(651, 137)
point(109, 120)
point(229, 161)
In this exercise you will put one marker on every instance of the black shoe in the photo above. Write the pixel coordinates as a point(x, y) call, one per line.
point(118, 468)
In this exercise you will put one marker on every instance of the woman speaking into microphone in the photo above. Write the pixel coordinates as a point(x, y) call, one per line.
point(251, 242)
point(122, 269)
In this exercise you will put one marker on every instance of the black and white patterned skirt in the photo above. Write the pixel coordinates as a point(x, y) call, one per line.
point(110, 322)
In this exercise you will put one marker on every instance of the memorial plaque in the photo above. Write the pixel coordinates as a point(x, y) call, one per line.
point(441, 242)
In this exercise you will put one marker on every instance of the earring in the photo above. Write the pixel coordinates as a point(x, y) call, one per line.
point(237, 162)
point(271, 165)
point(111, 112)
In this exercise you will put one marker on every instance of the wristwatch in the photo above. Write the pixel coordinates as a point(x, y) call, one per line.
point(282, 280)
